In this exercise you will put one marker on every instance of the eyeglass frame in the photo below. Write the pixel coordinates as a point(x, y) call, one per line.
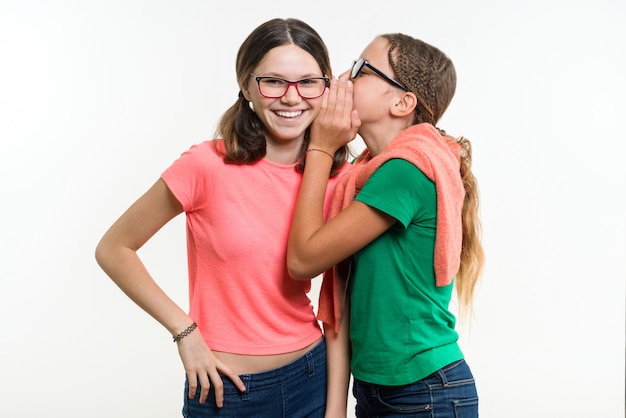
point(290, 83)
point(365, 63)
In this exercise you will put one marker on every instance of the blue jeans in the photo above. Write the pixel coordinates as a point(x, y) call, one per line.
point(448, 393)
point(296, 390)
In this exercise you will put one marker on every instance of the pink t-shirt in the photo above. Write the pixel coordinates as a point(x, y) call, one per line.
point(238, 219)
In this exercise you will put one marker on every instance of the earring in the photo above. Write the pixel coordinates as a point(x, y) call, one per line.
point(251, 106)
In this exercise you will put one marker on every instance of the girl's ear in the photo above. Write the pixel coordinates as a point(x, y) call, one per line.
point(245, 91)
point(405, 104)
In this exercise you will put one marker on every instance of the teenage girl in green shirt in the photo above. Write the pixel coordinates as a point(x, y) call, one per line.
point(409, 226)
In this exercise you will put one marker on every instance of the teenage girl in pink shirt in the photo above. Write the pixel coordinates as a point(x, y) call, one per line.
point(250, 343)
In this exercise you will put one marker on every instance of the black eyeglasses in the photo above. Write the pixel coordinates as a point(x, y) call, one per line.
point(276, 87)
point(357, 67)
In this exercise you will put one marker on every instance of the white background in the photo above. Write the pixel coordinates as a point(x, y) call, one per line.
point(98, 97)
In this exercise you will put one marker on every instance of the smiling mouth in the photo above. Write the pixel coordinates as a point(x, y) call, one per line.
point(289, 114)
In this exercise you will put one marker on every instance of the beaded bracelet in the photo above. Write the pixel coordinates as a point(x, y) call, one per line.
point(321, 150)
point(186, 332)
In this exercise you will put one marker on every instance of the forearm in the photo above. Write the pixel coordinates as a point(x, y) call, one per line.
point(335, 126)
point(309, 212)
point(116, 253)
point(128, 272)
point(338, 364)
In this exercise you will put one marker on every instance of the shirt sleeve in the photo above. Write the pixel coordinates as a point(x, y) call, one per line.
point(401, 190)
point(187, 177)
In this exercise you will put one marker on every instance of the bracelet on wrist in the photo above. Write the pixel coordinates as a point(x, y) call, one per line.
point(321, 150)
point(186, 332)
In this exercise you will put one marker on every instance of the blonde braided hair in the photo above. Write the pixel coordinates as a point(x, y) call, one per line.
point(429, 74)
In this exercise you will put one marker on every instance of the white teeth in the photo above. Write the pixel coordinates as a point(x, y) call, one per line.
point(289, 114)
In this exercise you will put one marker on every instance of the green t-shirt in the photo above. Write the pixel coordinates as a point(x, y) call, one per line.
point(400, 327)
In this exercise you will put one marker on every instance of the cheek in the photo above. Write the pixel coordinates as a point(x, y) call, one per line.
point(357, 100)
point(372, 107)
point(315, 105)
point(260, 103)
point(365, 92)
point(365, 102)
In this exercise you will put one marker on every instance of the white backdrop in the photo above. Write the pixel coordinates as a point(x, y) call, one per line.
point(98, 97)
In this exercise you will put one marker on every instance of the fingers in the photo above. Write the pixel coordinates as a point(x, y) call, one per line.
point(218, 384)
point(218, 387)
point(196, 380)
point(347, 105)
point(332, 96)
point(337, 100)
point(337, 104)
point(340, 99)
point(335, 125)
point(234, 377)
point(205, 370)
point(213, 378)
point(324, 101)
point(193, 385)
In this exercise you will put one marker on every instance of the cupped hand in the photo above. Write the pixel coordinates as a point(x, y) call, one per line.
point(204, 369)
point(337, 122)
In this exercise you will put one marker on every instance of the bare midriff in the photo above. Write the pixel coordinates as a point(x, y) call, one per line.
point(247, 364)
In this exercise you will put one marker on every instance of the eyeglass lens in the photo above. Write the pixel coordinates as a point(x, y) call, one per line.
point(357, 66)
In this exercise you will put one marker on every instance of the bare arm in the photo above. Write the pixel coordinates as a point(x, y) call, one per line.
point(116, 254)
point(313, 246)
point(338, 366)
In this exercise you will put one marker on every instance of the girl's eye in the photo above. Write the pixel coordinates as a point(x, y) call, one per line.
point(274, 81)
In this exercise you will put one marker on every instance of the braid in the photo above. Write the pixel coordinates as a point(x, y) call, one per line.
point(472, 253)
point(426, 71)
point(429, 74)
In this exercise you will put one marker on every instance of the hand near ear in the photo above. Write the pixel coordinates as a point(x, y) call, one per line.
point(337, 123)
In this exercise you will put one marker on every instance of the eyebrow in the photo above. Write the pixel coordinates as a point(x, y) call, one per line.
point(279, 75)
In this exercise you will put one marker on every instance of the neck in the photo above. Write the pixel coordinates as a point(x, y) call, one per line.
point(377, 143)
point(378, 138)
point(283, 152)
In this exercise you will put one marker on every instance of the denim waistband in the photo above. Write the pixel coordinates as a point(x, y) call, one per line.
point(307, 364)
point(457, 371)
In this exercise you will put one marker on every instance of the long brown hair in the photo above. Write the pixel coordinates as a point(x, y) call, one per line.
point(429, 74)
point(241, 129)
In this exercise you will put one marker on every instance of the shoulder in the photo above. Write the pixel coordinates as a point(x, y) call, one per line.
point(398, 179)
point(199, 160)
point(401, 170)
point(209, 148)
point(201, 154)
